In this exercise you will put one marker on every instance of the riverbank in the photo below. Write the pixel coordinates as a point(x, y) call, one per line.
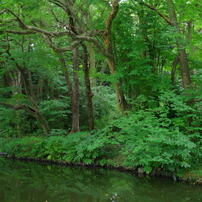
point(193, 176)
point(90, 152)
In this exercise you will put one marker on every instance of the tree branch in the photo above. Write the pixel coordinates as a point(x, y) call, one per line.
point(112, 15)
point(66, 6)
point(56, 48)
point(96, 43)
point(159, 13)
point(8, 20)
point(18, 32)
point(18, 107)
point(77, 39)
point(3, 11)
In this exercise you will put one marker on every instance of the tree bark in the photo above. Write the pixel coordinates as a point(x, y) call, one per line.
point(174, 65)
point(74, 104)
point(92, 63)
point(184, 67)
point(89, 94)
point(76, 94)
point(121, 101)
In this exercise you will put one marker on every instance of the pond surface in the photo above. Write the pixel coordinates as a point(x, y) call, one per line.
point(28, 181)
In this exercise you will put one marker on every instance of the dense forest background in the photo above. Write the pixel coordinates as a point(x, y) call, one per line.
point(126, 72)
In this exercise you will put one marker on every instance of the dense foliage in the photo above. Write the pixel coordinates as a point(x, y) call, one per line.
point(108, 82)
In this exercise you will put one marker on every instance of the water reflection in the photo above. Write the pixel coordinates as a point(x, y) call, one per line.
point(27, 181)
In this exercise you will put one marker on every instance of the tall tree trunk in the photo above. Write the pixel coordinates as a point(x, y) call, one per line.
point(182, 55)
point(89, 94)
point(74, 103)
point(174, 66)
point(184, 67)
point(76, 94)
point(121, 101)
point(40, 118)
point(92, 64)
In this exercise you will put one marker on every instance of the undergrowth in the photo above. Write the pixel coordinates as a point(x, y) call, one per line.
point(138, 140)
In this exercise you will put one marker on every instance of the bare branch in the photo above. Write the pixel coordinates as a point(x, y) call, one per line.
point(67, 7)
point(18, 107)
point(96, 43)
point(56, 48)
point(22, 24)
point(3, 11)
point(18, 32)
point(58, 3)
point(8, 20)
point(77, 39)
point(159, 13)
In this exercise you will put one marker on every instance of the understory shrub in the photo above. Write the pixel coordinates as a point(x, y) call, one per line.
point(140, 139)
point(152, 143)
point(79, 147)
point(56, 112)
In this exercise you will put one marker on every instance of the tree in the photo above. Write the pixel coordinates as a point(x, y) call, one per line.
point(137, 39)
point(182, 56)
point(19, 71)
point(75, 30)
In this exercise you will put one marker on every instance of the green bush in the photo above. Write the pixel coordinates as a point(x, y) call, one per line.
point(79, 147)
point(148, 138)
point(151, 142)
point(56, 112)
point(8, 122)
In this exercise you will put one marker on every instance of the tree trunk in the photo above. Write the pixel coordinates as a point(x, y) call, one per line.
point(76, 94)
point(74, 104)
point(92, 64)
point(184, 67)
point(89, 93)
point(174, 66)
point(121, 101)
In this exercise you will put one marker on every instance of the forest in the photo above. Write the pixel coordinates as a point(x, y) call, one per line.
point(108, 82)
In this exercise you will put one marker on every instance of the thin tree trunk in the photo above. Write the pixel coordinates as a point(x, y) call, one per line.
point(174, 66)
point(92, 65)
point(76, 94)
point(89, 93)
point(74, 103)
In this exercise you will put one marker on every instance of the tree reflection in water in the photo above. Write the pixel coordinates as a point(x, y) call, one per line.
point(28, 181)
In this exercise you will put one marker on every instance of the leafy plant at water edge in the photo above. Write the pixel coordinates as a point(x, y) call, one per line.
point(151, 142)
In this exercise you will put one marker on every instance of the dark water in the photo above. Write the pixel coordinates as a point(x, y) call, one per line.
point(27, 181)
